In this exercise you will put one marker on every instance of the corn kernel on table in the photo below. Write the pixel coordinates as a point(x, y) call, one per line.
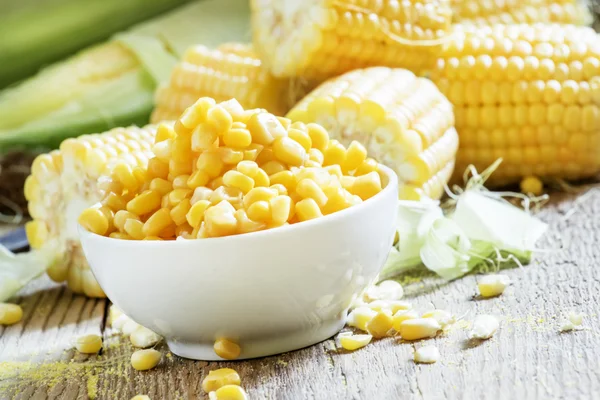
point(528, 358)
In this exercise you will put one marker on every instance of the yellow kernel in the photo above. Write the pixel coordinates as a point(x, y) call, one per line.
point(335, 153)
point(123, 174)
point(10, 313)
point(316, 155)
point(146, 202)
point(419, 328)
point(151, 238)
point(285, 178)
point(533, 185)
point(273, 167)
point(307, 209)
point(196, 213)
point(204, 138)
point(238, 138)
point(261, 179)
point(264, 156)
point(238, 180)
point(210, 162)
point(289, 151)
point(197, 179)
point(158, 168)
point(367, 186)
point(354, 342)
point(265, 128)
point(161, 186)
point(426, 355)
point(135, 229)
point(380, 324)
point(258, 194)
point(347, 182)
point(163, 132)
point(140, 397)
point(301, 137)
point(369, 165)
point(245, 224)
point(229, 194)
point(280, 188)
point(355, 156)
point(159, 221)
point(162, 150)
point(229, 392)
point(259, 211)
point(286, 122)
point(120, 235)
point(218, 118)
point(37, 233)
point(401, 316)
point(94, 220)
point(492, 285)
point(280, 209)
point(318, 135)
point(176, 196)
point(143, 337)
point(220, 377)
point(443, 317)
point(360, 317)
point(248, 168)
point(307, 188)
point(121, 217)
point(180, 182)
point(227, 349)
point(88, 344)
point(219, 223)
point(230, 156)
point(143, 360)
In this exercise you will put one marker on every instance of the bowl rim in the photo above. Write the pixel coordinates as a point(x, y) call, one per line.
point(392, 182)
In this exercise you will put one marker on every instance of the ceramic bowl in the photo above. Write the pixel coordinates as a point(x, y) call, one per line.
point(271, 291)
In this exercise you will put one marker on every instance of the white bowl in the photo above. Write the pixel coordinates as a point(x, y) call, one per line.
point(271, 291)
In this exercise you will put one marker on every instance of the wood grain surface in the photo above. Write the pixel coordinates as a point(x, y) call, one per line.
point(527, 359)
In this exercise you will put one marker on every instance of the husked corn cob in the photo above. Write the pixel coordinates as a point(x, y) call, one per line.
point(64, 182)
point(529, 94)
point(486, 12)
point(403, 121)
point(324, 38)
point(231, 71)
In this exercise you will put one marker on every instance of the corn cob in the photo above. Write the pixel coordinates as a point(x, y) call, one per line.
point(486, 12)
point(403, 121)
point(529, 94)
point(231, 71)
point(64, 182)
point(325, 38)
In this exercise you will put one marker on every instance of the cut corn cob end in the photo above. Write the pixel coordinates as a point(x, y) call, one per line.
point(402, 121)
point(63, 183)
point(320, 39)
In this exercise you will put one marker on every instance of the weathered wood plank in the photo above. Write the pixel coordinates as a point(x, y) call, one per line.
point(528, 358)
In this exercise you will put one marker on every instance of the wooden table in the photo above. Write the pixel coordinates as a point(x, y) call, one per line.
point(527, 359)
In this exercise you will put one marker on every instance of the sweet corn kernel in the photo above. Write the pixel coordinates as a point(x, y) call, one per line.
point(385, 290)
point(135, 229)
point(356, 154)
point(37, 233)
point(179, 212)
point(146, 202)
point(426, 355)
point(492, 285)
point(318, 136)
point(94, 220)
point(159, 185)
point(280, 209)
point(369, 165)
point(282, 190)
point(218, 118)
point(219, 222)
point(418, 328)
point(245, 224)
point(335, 153)
point(121, 218)
point(285, 178)
point(140, 397)
point(248, 168)
point(201, 193)
point(484, 327)
point(180, 182)
point(10, 313)
point(307, 209)
point(157, 222)
point(123, 174)
point(88, 344)
point(401, 316)
point(443, 317)
point(532, 185)
point(227, 349)
point(196, 213)
point(391, 305)
point(308, 189)
point(273, 167)
point(176, 196)
point(354, 342)
point(210, 162)
point(380, 324)
point(261, 179)
point(219, 378)
point(301, 137)
point(143, 360)
point(576, 318)
point(289, 151)
point(259, 211)
point(158, 168)
point(143, 337)
point(360, 317)
point(238, 180)
point(238, 138)
point(121, 236)
point(229, 194)
point(258, 194)
point(367, 186)
point(228, 392)
point(265, 128)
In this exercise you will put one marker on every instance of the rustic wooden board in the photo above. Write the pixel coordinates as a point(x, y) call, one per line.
point(527, 359)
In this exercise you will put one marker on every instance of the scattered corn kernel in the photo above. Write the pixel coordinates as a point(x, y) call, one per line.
point(88, 344)
point(120, 321)
point(113, 313)
point(10, 313)
point(401, 316)
point(576, 318)
point(484, 327)
point(418, 328)
point(532, 185)
point(426, 355)
point(360, 317)
point(129, 327)
point(443, 317)
point(140, 397)
point(143, 337)
point(227, 349)
point(219, 378)
point(354, 342)
point(492, 285)
point(566, 326)
point(386, 290)
point(228, 392)
point(143, 360)
point(380, 324)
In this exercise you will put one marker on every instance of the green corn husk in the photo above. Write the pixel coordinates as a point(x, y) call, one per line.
point(36, 33)
point(112, 84)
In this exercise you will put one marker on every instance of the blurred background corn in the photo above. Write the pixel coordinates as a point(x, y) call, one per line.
point(64, 182)
point(486, 12)
point(230, 71)
point(321, 39)
point(113, 83)
point(403, 121)
point(529, 94)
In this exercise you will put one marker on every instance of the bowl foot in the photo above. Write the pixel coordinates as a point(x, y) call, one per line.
point(260, 347)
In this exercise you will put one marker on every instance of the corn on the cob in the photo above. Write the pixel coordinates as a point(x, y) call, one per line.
point(230, 71)
point(321, 39)
point(403, 121)
point(486, 12)
point(529, 94)
point(66, 181)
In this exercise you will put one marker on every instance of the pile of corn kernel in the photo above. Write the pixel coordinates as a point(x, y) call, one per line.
point(221, 170)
